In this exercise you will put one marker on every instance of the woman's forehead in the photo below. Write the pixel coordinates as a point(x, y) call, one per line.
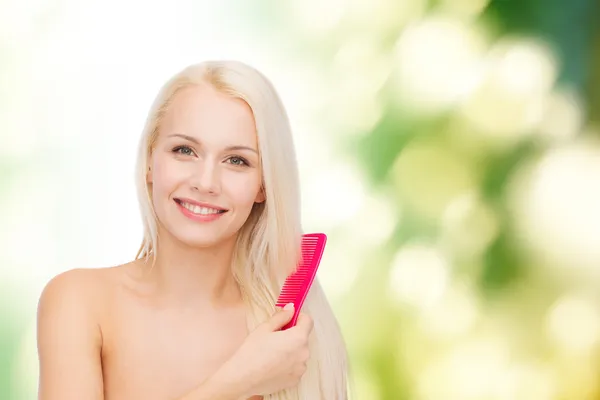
point(201, 112)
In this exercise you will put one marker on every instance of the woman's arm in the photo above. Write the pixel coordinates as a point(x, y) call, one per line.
point(70, 347)
point(216, 387)
point(69, 340)
point(269, 360)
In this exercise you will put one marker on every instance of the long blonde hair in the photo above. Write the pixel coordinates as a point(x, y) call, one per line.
point(268, 243)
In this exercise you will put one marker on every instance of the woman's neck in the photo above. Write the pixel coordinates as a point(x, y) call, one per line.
point(188, 275)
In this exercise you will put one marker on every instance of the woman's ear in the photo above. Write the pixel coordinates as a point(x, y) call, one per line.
point(149, 175)
point(260, 196)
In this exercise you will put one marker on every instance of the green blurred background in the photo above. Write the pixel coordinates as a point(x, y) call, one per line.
point(449, 148)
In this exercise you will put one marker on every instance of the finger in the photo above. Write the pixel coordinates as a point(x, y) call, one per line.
point(305, 322)
point(281, 317)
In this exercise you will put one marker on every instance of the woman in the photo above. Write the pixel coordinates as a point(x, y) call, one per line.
point(193, 316)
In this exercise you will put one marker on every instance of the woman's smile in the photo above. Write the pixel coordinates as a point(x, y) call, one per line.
point(200, 212)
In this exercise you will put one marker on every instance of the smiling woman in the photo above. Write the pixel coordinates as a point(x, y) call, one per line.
point(194, 316)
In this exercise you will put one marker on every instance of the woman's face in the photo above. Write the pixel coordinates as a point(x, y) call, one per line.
point(205, 168)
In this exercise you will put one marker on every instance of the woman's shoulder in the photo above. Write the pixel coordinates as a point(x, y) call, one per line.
point(82, 283)
point(70, 333)
point(78, 278)
point(78, 291)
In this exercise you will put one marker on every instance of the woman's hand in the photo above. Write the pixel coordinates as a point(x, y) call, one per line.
point(270, 360)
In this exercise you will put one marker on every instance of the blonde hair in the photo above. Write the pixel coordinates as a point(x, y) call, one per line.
point(268, 243)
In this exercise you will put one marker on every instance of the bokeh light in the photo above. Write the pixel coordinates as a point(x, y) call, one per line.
point(438, 61)
point(556, 203)
point(419, 275)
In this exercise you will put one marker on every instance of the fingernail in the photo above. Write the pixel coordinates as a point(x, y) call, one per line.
point(289, 306)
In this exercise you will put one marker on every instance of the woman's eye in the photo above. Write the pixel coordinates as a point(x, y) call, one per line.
point(185, 150)
point(237, 161)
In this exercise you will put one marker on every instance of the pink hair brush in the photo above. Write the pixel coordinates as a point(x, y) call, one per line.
point(298, 284)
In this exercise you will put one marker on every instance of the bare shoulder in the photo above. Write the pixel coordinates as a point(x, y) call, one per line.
point(76, 289)
point(75, 301)
point(75, 280)
point(83, 293)
point(69, 333)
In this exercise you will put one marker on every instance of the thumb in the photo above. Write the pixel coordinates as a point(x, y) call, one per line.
point(282, 317)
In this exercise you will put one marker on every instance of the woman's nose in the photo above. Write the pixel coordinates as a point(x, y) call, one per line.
point(205, 177)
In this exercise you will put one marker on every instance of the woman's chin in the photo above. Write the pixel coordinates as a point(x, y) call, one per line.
point(205, 240)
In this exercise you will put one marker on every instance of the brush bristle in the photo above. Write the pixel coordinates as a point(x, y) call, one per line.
point(296, 285)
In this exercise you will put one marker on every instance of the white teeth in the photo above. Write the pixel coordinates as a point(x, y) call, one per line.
point(200, 210)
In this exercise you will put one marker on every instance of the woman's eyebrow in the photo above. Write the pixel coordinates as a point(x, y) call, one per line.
point(186, 137)
point(229, 148)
